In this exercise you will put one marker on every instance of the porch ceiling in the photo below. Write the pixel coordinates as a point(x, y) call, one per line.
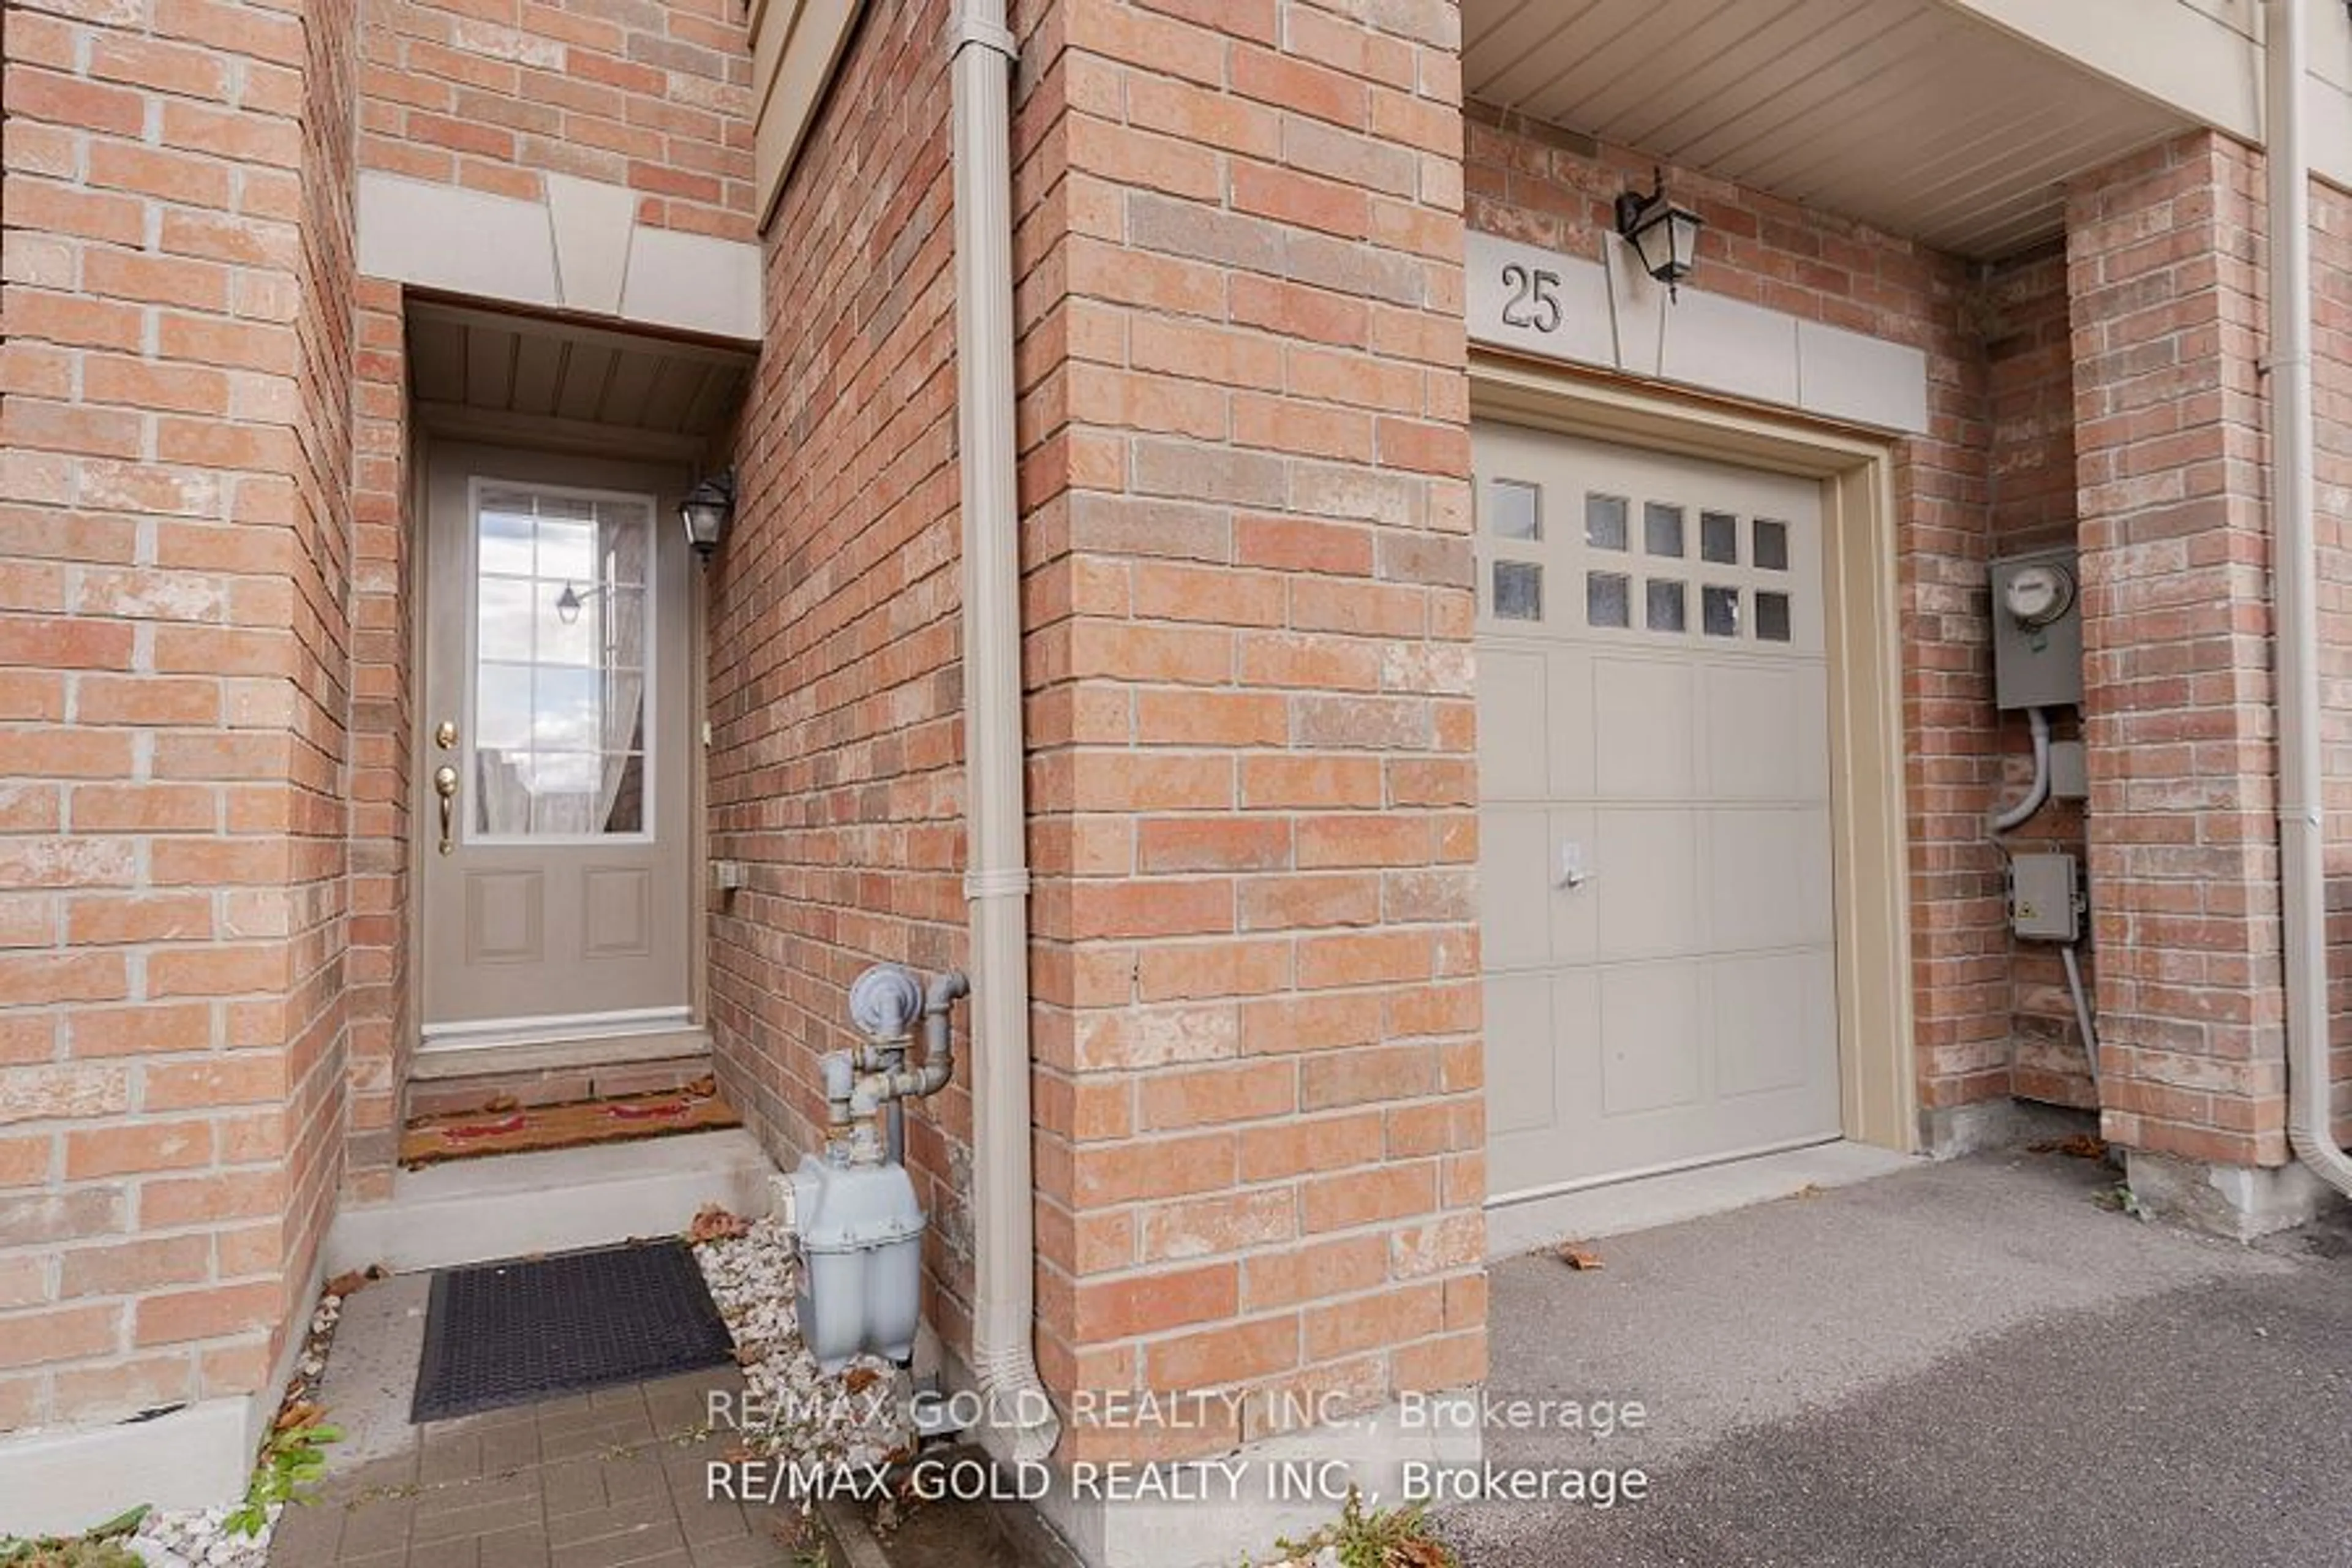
point(488, 375)
point(1907, 114)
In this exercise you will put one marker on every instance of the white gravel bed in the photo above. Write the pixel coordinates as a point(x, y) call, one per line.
point(843, 1418)
point(856, 1416)
point(196, 1537)
point(200, 1538)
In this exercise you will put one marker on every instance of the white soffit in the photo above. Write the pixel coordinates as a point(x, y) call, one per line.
point(496, 376)
point(1913, 115)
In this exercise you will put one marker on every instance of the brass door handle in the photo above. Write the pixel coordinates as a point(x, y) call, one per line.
point(445, 785)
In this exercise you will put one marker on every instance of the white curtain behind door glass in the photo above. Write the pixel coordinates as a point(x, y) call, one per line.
point(561, 647)
point(623, 533)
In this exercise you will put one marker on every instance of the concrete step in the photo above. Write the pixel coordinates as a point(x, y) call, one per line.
point(509, 1205)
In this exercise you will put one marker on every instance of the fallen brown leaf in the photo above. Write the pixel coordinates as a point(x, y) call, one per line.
point(858, 1379)
point(704, 1087)
point(346, 1283)
point(1421, 1554)
point(712, 1222)
point(301, 1413)
point(499, 1104)
point(751, 1355)
point(2081, 1146)
point(1579, 1260)
point(1808, 1191)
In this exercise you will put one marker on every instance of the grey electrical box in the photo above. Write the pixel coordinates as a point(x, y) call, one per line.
point(2042, 897)
point(2070, 773)
point(2037, 630)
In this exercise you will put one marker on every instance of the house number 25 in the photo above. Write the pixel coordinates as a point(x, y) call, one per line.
point(1534, 299)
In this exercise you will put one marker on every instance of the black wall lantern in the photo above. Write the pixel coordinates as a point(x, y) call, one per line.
point(1664, 236)
point(706, 510)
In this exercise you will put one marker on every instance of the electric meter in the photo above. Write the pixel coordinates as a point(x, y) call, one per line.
point(2037, 629)
point(2038, 594)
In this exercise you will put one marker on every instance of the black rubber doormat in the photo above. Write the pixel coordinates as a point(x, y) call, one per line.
point(506, 1333)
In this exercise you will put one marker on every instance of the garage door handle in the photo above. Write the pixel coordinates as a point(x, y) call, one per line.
point(1572, 874)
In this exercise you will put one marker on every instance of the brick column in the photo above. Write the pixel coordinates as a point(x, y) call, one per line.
point(174, 452)
point(382, 592)
point(1260, 1103)
point(2162, 255)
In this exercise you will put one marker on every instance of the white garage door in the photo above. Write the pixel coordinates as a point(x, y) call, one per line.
point(1655, 831)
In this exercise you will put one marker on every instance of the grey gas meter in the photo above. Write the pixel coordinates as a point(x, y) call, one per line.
point(2037, 630)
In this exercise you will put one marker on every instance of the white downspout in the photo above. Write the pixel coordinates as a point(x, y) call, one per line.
point(1020, 1424)
point(2294, 571)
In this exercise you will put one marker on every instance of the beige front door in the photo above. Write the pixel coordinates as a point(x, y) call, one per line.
point(552, 777)
point(1654, 823)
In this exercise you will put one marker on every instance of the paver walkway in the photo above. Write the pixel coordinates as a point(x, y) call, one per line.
point(596, 1480)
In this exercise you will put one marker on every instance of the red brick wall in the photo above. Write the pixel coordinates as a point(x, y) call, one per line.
point(834, 767)
point(2162, 261)
point(2030, 372)
point(174, 448)
point(315, 1020)
point(1551, 188)
point(382, 1031)
point(492, 94)
point(1262, 1143)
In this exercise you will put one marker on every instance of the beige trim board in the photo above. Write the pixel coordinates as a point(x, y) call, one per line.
point(1870, 877)
point(796, 46)
point(581, 251)
point(1611, 315)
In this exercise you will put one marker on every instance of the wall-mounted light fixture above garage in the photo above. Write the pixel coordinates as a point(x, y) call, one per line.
point(1662, 233)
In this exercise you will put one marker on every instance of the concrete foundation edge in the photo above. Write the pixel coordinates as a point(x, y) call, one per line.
point(2242, 1202)
point(1951, 1131)
point(1370, 1450)
point(62, 1482)
point(1670, 1197)
point(561, 1201)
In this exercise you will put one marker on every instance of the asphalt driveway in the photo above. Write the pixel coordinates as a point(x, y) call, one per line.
point(1971, 1365)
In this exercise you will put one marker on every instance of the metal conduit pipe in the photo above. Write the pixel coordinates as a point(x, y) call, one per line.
point(2039, 792)
point(2083, 1018)
point(2294, 493)
point(1020, 1422)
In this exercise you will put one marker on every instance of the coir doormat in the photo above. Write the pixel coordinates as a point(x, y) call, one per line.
point(520, 1129)
point(506, 1333)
